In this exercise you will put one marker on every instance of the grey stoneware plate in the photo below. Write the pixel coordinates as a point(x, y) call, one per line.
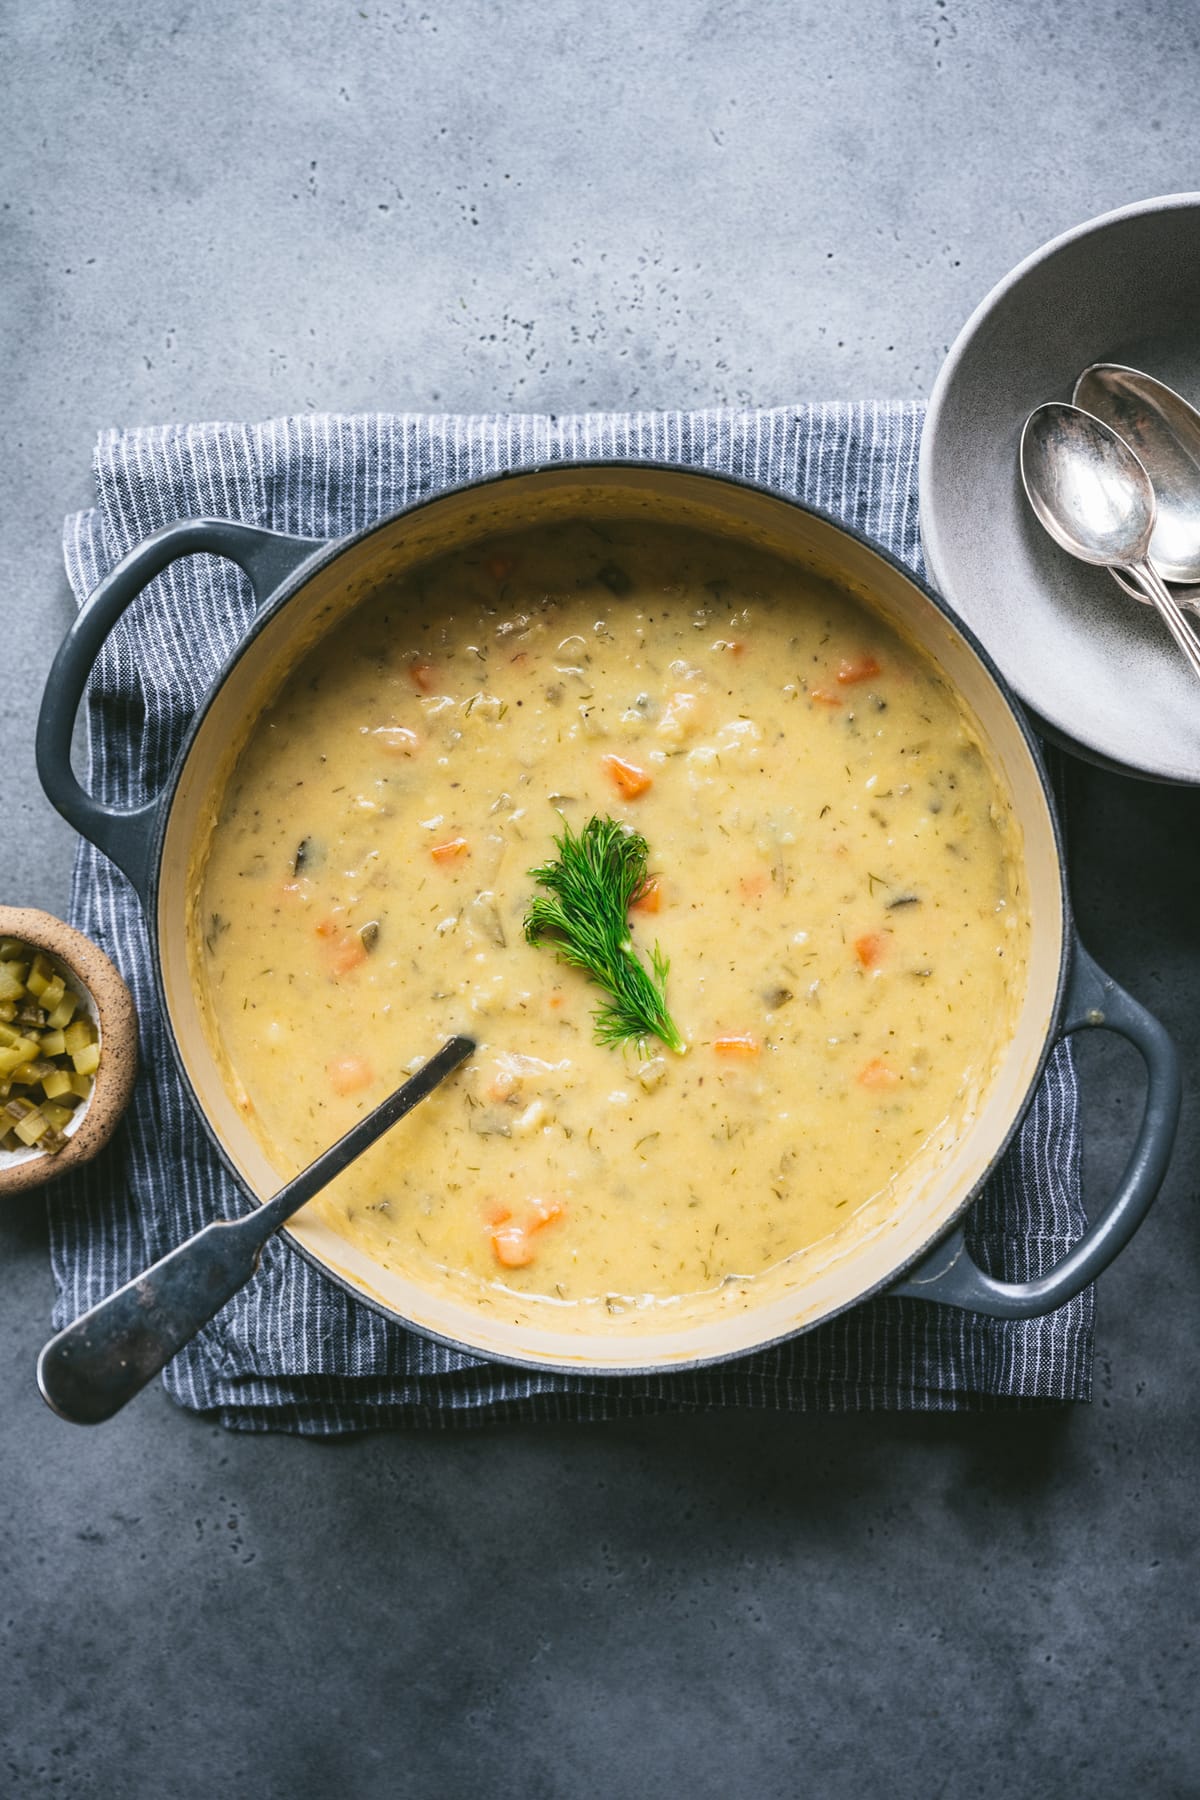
point(1098, 669)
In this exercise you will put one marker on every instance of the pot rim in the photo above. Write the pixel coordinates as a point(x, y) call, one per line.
point(281, 595)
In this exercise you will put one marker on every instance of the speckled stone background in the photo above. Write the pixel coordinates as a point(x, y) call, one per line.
point(244, 209)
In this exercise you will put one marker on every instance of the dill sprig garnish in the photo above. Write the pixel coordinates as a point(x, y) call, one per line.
point(588, 894)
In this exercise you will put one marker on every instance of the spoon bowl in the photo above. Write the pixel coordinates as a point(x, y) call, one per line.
point(1164, 433)
point(1093, 496)
point(1086, 486)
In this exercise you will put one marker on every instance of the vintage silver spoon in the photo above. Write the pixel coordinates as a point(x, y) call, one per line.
point(1092, 495)
point(89, 1371)
point(1164, 433)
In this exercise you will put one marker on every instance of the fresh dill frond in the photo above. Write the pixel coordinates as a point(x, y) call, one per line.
point(584, 912)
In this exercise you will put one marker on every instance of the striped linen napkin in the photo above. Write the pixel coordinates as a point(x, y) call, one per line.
point(292, 1351)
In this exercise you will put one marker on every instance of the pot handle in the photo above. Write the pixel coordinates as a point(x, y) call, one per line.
point(949, 1274)
point(127, 836)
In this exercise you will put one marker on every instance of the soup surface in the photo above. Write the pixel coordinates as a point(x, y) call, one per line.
point(833, 876)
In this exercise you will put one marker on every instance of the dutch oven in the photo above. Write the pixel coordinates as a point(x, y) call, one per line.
point(304, 589)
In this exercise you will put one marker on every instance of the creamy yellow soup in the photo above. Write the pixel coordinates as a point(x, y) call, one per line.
point(833, 877)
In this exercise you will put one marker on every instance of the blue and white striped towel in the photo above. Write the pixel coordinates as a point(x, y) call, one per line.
point(292, 1351)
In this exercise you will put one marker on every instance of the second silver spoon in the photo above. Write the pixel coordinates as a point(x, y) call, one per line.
point(1093, 496)
point(1163, 431)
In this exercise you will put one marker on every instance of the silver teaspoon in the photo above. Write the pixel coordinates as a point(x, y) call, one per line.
point(1092, 495)
point(89, 1371)
point(1164, 432)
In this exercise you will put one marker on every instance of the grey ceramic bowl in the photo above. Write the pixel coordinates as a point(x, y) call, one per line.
point(1099, 669)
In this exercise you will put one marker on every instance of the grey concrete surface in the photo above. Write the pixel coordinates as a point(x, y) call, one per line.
point(237, 210)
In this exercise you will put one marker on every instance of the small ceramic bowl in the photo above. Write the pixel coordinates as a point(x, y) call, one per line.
point(1101, 672)
point(111, 1007)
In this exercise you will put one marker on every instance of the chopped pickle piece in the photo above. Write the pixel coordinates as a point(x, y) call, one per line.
point(77, 1035)
point(32, 1127)
point(8, 1010)
point(81, 1085)
point(12, 981)
point(87, 1060)
point(40, 975)
point(53, 1044)
point(11, 950)
point(56, 1084)
point(53, 992)
point(55, 1114)
point(28, 1074)
point(64, 1012)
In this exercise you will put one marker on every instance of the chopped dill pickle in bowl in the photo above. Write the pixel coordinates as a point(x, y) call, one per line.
point(598, 800)
point(49, 1050)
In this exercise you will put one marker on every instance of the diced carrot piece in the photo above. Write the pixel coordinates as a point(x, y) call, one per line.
point(857, 668)
point(496, 1213)
point(347, 953)
point(512, 1242)
point(500, 567)
point(511, 1246)
point(754, 886)
point(347, 1074)
point(327, 927)
point(631, 780)
point(823, 697)
point(449, 851)
point(737, 1043)
point(397, 740)
point(648, 898)
point(869, 949)
point(877, 1074)
point(421, 676)
point(502, 1086)
point(556, 1000)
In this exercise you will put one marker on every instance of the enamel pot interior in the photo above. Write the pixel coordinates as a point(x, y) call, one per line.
point(877, 1244)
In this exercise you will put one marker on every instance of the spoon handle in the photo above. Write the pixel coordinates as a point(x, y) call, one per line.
point(1186, 598)
point(1147, 577)
point(98, 1363)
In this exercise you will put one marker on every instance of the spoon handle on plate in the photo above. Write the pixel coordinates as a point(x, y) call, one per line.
point(1147, 577)
point(89, 1371)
